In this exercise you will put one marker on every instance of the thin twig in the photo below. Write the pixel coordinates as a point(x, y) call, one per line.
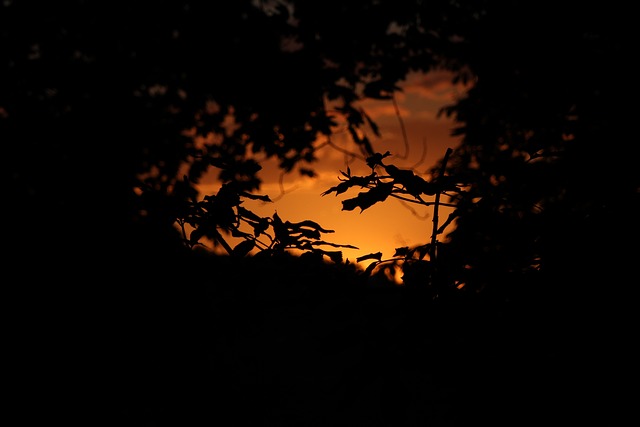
point(223, 242)
point(405, 139)
point(434, 233)
point(283, 191)
point(423, 156)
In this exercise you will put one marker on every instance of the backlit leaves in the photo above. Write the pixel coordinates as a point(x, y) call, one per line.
point(412, 183)
point(365, 200)
point(304, 235)
point(355, 181)
point(243, 248)
point(400, 183)
point(376, 159)
point(376, 256)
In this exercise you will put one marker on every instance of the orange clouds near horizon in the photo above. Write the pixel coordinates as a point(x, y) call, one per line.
point(416, 138)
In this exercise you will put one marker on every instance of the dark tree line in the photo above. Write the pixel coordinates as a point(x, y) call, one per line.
point(102, 105)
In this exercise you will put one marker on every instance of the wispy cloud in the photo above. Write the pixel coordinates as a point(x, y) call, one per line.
point(435, 86)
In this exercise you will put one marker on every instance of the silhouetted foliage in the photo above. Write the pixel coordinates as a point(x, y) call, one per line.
point(111, 114)
point(223, 211)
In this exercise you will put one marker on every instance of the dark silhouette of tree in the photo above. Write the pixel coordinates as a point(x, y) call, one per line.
point(545, 169)
point(112, 112)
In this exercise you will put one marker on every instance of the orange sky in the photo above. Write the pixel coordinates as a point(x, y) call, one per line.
point(384, 226)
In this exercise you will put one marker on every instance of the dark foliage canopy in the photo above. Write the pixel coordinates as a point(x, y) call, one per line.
point(102, 106)
point(112, 112)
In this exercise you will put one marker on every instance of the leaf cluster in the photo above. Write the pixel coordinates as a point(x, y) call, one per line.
point(100, 118)
point(387, 180)
point(222, 214)
point(394, 182)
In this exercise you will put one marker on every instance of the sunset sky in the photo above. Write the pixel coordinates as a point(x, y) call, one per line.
point(384, 226)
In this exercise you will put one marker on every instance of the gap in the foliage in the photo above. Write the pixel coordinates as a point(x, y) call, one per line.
point(410, 129)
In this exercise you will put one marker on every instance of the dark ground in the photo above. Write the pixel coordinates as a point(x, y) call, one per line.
point(237, 344)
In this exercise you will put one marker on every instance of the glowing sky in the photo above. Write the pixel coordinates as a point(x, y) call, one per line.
point(384, 226)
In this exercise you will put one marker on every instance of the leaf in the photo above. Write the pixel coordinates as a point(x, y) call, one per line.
point(350, 204)
point(281, 232)
point(222, 215)
point(372, 124)
point(377, 256)
point(228, 195)
point(310, 224)
point(276, 219)
point(310, 234)
point(412, 183)
point(264, 198)
point(335, 256)
point(359, 181)
point(196, 235)
point(335, 245)
point(376, 159)
point(422, 250)
point(401, 251)
point(366, 144)
point(370, 268)
point(445, 183)
point(243, 248)
point(354, 135)
point(367, 199)
point(260, 227)
point(246, 213)
point(453, 215)
point(235, 232)
point(307, 172)
point(339, 189)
